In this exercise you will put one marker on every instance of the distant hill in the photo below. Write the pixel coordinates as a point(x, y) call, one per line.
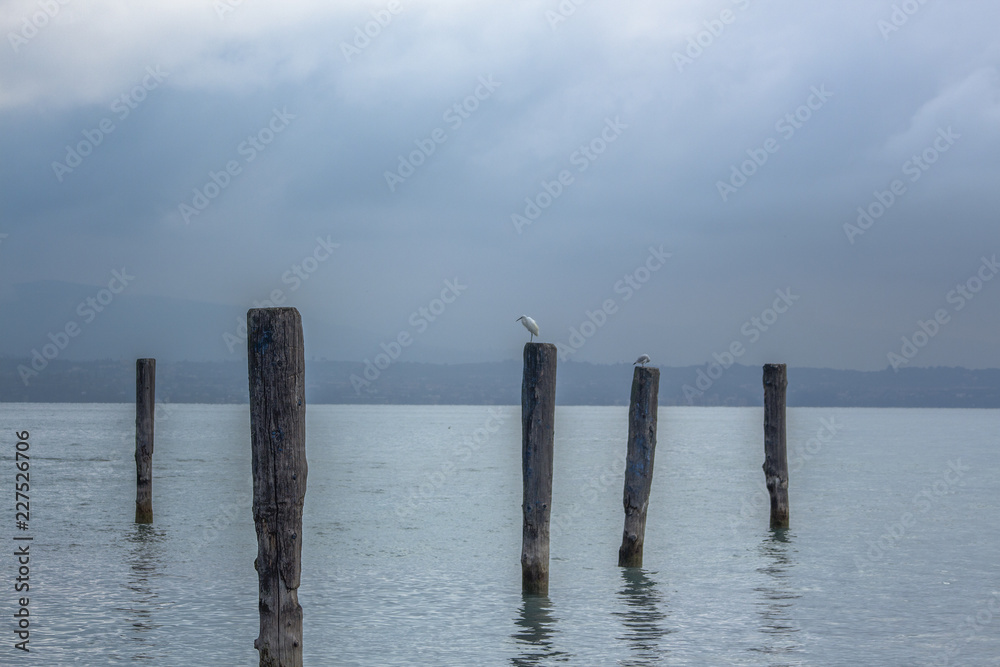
point(500, 384)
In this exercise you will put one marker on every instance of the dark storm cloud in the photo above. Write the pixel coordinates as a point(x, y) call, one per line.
point(743, 137)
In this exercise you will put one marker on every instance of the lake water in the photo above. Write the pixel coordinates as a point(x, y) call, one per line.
point(412, 537)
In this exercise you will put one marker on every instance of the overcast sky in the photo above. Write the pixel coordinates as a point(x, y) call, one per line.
point(681, 167)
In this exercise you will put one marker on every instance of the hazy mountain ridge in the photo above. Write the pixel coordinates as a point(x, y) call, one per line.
point(500, 384)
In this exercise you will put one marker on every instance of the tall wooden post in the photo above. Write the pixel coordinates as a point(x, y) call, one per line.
point(775, 454)
point(276, 359)
point(145, 407)
point(538, 411)
point(639, 463)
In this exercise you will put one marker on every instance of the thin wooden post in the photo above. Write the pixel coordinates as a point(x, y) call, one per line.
point(145, 407)
point(639, 463)
point(276, 360)
point(538, 410)
point(775, 454)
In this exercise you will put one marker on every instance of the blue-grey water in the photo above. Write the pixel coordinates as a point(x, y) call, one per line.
point(412, 534)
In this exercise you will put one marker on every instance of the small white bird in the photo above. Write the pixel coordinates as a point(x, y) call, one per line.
point(530, 325)
point(643, 360)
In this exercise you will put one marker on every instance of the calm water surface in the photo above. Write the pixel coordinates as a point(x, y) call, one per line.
point(412, 540)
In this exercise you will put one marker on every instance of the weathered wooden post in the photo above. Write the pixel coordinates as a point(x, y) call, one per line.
point(145, 407)
point(775, 454)
point(276, 360)
point(538, 411)
point(639, 462)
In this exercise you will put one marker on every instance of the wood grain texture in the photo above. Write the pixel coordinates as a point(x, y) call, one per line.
point(639, 463)
point(276, 359)
point(775, 452)
point(145, 408)
point(538, 409)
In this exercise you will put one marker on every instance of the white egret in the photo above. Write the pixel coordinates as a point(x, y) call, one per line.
point(530, 325)
point(643, 360)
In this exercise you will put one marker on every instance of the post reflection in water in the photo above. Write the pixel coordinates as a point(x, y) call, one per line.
point(145, 556)
point(643, 617)
point(536, 627)
point(777, 598)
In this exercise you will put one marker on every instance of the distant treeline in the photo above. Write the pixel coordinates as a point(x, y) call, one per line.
point(500, 384)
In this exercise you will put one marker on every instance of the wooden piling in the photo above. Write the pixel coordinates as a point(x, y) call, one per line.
point(538, 410)
point(145, 407)
point(639, 463)
point(775, 453)
point(276, 360)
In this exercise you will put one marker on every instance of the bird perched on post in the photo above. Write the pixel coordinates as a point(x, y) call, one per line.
point(642, 360)
point(530, 325)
